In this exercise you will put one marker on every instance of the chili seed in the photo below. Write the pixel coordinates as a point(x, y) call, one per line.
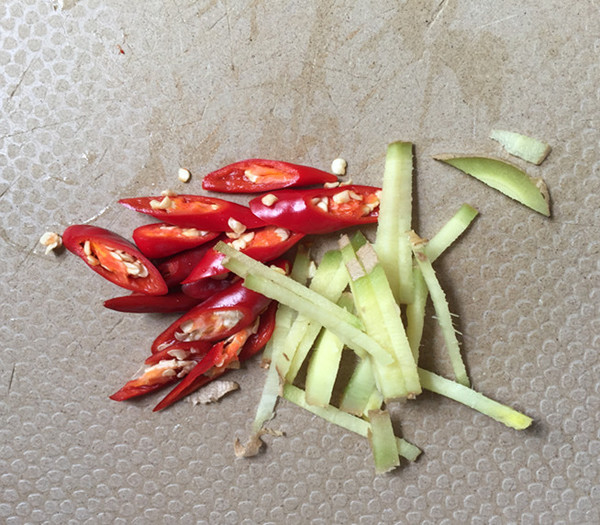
point(269, 199)
point(51, 241)
point(87, 248)
point(236, 226)
point(184, 175)
point(282, 233)
point(338, 166)
point(250, 176)
point(187, 327)
point(164, 204)
point(178, 354)
point(341, 197)
point(192, 232)
point(323, 204)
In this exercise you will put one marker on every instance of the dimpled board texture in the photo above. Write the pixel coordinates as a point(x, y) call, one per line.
point(102, 99)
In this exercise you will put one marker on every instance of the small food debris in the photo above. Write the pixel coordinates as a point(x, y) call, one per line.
point(51, 241)
point(522, 146)
point(252, 448)
point(212, 392)
point(338, 166)
point(184, 175)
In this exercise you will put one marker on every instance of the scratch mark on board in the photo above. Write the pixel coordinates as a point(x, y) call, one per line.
point(23, 75)
point(12, 376)
point(494, 22)
point(437, 12)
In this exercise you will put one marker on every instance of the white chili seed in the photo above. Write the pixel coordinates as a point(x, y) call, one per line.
point(331, 184)
point(341, 197)
point(132, 269)
point(338, 166)
point(187, 327)
point(87, 248)
point(239, 244)
point(51, 241)
point(236, 226)
point(269, 199)
point(282, 233)
point(184, 175)
point(250, 176)
point(115, 255)
point(177, 353)
point(355, 196)
point(191, 232)
point(323, 204)
point(143, 270)
point(164, 204)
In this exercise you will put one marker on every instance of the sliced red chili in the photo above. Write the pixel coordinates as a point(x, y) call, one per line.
point(114, 258)
point(319, 210)
point(161, 240)
point(176, 268)
point(142, 304)
point(163, 369)
point(263, 244)
point(216, 318)
point(205, 288)
point(256, 342)
point(183, 351)
point(194, 211)
point(258, 175)
point(216, 362)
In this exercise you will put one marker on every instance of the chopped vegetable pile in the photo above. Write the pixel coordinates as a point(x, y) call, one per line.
point(229, 269)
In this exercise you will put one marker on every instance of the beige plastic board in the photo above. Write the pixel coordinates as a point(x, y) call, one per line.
point(107, 99)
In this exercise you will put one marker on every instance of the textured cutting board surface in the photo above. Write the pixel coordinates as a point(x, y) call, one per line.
point(107, 99)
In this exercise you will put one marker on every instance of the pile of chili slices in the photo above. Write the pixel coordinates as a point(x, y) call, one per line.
point(173, 266)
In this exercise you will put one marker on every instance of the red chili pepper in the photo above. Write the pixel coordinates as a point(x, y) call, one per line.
point(319, 210)
point(216, 318)
point(161, 240)
point(176, 268)
point(195, 211)
point(114, 258)
point(205, 288)
point(257, 341)
point(258, 175)
point(163, 369)
point(264, 245)
point(139, 303)
point(171, 364)
point(216, 362)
